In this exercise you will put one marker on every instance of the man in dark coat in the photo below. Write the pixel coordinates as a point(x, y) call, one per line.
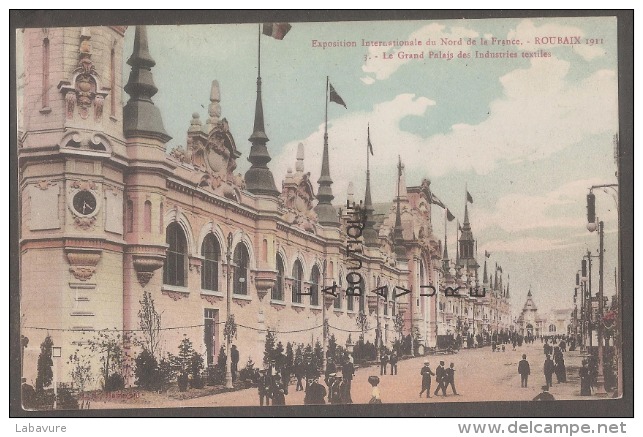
point(545, 395)
point(299, 374)
point(439, 379)
point(585, 380)
point(449, 378)
point(234, 357)
point(316, 393)
point(523, 370)
point(383, 361)
point(426, 373)
point(348, 370)
point(263, 387)
point(393, 361)
point(548, 369)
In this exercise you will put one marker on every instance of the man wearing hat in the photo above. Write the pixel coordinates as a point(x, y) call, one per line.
point(523, 370)
point(545, 395)
point(316, 392)
point(263, 387)
point(426, 373)
point(348, 370)
point(439, 378)
point(334, 388)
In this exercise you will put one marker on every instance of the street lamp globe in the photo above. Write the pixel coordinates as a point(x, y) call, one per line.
point(591, 227)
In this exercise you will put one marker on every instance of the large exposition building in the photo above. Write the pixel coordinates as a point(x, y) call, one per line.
point(107, 213)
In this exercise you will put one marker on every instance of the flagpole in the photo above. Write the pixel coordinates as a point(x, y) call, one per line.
point(326, 119)
point(368, 168)
point(259, 50)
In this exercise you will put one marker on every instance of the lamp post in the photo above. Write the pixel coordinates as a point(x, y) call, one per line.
point(591, 226)
point(323, 302)
point(600, 378)
point(56, 352)
point(227, 332)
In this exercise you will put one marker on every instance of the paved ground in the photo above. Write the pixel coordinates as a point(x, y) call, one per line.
point(481, 375)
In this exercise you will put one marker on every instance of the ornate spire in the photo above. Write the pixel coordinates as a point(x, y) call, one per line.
point(507, 293)
point(299, 165)
point(485, 278)
point(325, 211)
point(400, 250)
point(259, 178)
point(140, 117)
point(370, 234)
point(214, 109)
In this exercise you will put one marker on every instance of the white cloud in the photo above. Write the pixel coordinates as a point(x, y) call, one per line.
point(528, 244)
point(383, 68)
point(527, 32)
point(539, 113)
point(519, 212)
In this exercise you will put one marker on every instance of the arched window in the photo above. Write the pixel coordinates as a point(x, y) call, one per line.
point(314, 286)
point(552, 328)
point(210, 270)
point(161, 218)
point(45, 73)
point(240, 285)
point(112, 81)
point(278, 289)
point(147, 216)
point(129, 221)
point(337, 304)
point(298, 275)
point(350, 301)
point(176, 259)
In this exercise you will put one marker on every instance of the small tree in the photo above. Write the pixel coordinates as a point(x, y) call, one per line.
point(45, 363)
point(146, 371)
point(318, 354)
point(109, 346)
point(269, 348)
point(81, 371)
point(290, 356)
point(332, 348)
point(149, 321)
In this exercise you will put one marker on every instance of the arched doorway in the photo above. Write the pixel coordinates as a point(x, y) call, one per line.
point(530, 330)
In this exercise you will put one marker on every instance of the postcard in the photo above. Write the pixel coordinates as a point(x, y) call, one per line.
point(419, 212)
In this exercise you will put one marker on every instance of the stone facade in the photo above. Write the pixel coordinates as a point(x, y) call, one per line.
point(108, 213)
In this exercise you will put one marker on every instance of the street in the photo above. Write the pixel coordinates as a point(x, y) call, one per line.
point(481, 375)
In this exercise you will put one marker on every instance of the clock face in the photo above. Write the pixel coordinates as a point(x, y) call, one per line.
point(84, 203)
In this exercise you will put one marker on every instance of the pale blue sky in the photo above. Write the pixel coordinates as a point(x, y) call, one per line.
point(528, 137)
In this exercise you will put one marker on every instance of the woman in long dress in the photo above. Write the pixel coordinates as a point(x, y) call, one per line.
point(585, 380)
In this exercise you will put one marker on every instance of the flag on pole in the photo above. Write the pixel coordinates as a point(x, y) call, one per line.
point(435, 200)
point(450, 216)
point(370, 146)
point(276, 30)
point(334, 97)
point(487, 254)
point(469, 198)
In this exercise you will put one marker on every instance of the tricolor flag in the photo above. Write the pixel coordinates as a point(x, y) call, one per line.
point(450, 216)
point(276, 30)
point(434, 199)
point(370, 146)
point(334, 97)
point(469, 198)
point(487, 254)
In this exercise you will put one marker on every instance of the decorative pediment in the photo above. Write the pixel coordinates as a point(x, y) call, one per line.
point(214, 157)
point(297, 198)
point(83, 91)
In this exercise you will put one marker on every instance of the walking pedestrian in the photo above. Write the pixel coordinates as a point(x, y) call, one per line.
point(348, 370)
point(560, 369)
point(234, 357)
point(548, 369)
point(316, 392)
point(545, 395)
point(278, 397)
point(375, 393)
point(523, 370)
point(585, 380)
point(383, 361)
point(449, 378)
point(439, 379)
point(299, 374)
point(263, 387)
point(426, 373)
point(393, 361)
